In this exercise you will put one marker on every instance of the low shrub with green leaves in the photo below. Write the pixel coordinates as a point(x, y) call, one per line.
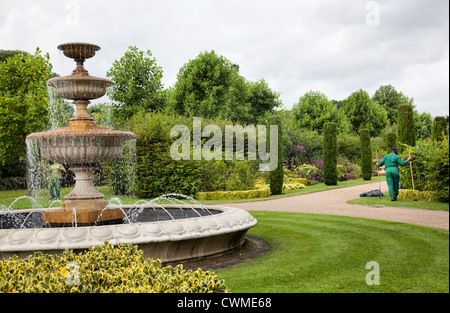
point(229, 195)
point(417, 194)
point(102, 269)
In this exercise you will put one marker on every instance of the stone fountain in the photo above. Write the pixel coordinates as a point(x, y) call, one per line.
point(82, 143)
point(168, 232)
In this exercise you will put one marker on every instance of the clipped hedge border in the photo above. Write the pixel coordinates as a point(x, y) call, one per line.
point(302, 181)
point(420, 195)
point(102, 269)
point(230, 195)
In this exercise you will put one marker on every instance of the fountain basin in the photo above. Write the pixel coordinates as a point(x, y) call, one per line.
point(168, 240)
point(80, 87)
point(69, 145)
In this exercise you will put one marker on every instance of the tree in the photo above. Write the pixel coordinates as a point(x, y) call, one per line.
point(390, 99)
point(330, 175)
point(366, 154)
point(406, 131)
point(363, 112)
point(137, 84)
point(4, 54)
point(276, 176)
point(23, 101)
point(313, 110)
point(210, 86)
point(423, 123)
point(262, 99)
point(439, 128)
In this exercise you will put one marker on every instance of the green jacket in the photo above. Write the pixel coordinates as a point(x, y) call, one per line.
point(55, 172)
point(392, 160)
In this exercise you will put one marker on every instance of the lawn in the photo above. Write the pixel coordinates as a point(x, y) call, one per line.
point(41, 200)
point(324, 253)
point(404, 203)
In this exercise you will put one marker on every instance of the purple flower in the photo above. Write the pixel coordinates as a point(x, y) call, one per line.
point(298, 149)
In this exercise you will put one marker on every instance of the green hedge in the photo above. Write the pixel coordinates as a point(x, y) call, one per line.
point(276, 176)
point(229, 195)
point(157, 173)
point(102, 269)
point(406, 131)
point(13, 183)
point(330, 175)
point(430, 162)
point(391, 141)
point(366, 154)
point(439, 128)
point(419, 195)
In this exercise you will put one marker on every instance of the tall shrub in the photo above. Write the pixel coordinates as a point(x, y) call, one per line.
point(366, 154)
point(276, 176)
point(406, 132)
point(439, 128)
point(391, 141)
point(330, 175)
point(430, 168)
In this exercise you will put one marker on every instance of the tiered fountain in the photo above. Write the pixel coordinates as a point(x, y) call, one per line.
point(82, 143)
point(168, 232)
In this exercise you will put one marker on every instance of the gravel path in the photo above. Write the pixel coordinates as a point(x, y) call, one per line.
point(333, 202)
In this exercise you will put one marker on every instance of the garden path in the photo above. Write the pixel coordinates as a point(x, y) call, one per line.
point(334, 202)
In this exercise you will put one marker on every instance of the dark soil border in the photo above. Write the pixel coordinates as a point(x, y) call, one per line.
point(251, 249)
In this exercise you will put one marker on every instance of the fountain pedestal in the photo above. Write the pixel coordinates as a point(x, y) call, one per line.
point(84, 205)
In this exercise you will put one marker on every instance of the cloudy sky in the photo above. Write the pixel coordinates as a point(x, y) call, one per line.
point(335, 47)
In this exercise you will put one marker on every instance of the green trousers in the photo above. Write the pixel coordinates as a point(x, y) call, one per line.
point(55, 184)
point(393, 180)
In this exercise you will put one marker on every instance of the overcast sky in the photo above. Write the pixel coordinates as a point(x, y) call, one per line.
point(335, 47)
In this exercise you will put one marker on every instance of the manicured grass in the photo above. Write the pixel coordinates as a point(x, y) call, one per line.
point(324, 253)
point(404, 203)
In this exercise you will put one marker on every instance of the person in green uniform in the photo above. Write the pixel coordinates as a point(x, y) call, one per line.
point(391, 161)
point(55, 182)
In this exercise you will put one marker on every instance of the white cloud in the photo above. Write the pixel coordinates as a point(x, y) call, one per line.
point(294, 45)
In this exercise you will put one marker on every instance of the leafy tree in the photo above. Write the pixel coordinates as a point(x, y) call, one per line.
point(423, 123)
point(406, 130)
point(4, 54)
point(389, 99)
point(262, 99)
point(137, 84)
point(210, 86)
point(330, 174)
point(363, 112)
point(313, 110)
point(23, 101)
point(366, 154)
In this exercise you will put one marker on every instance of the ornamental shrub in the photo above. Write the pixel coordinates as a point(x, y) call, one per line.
point(102, 269)
point(228, 195)
point(276, 176)
point(406, 131)
point(439, 128)
point(430, 162)
point(391, 141)
point(330, 175)
point(366, 154)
